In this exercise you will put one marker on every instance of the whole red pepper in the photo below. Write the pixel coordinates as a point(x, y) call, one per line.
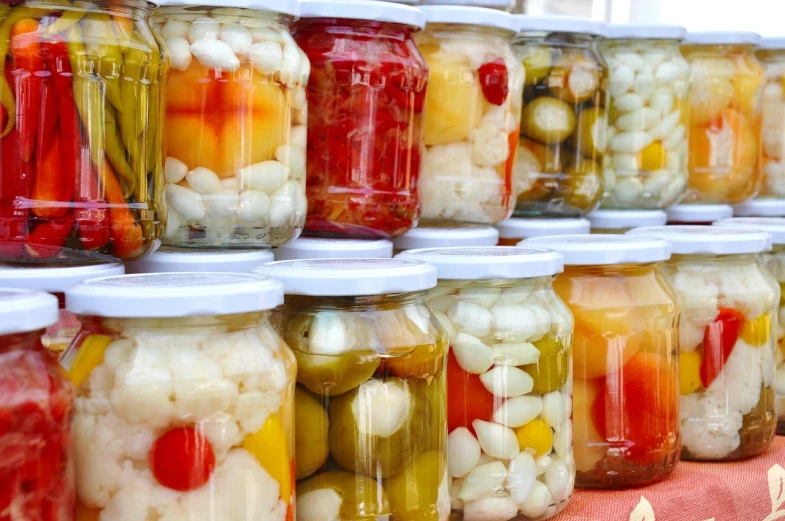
point(14, 190)
point(52, 189)
point(718, 341)
point(48, 237)
point(28, 63)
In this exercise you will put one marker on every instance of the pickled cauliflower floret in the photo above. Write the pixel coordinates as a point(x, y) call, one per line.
point(223, 386)
point(699, 296)
point(489, 145)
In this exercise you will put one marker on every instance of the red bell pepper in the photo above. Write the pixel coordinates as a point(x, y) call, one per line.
point(718, 341)
point(48, 237)
point(49, 116)
point(494, 80)
point(29, 73)
point(52, 183)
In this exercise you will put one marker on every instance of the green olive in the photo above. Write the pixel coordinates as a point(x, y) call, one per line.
point(414, 492)
point(311, 428)
point(341, 495)
point(379, 427)
point(548, 120)
point(537, 63)
point(552, 369)
point(591, 135)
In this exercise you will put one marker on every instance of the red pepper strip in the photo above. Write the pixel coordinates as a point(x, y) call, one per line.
point(29, 70)
point(92, 219)
point(48, 119)
point(52, 184)
point(126, 233)
point(13, 218)
point(48, 238)
point(718, 341)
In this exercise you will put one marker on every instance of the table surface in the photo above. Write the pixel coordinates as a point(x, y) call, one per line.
point(746, 490)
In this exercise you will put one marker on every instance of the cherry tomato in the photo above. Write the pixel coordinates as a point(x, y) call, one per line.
point(637, 406)
point(182, 459)
point(718, 341)
point(494, 80)
point(467, 398)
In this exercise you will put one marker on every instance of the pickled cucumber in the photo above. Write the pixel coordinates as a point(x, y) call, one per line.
point(341, 495)
point(548, 120)
point(311, 428)
point(414, 493)
point(537, 64)
point(379, 427)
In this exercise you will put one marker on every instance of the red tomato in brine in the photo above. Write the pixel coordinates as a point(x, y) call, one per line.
point(467, 398)
point(182, 459)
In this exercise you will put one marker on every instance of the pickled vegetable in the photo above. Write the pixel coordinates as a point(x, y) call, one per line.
point(563, 125)
point(235, 128)
point(82, 167)
point(646, 164)
point(472, 119)
point(726, 89)
point(364, 138)
point(772, 160)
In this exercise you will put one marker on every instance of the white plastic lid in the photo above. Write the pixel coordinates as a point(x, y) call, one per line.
point(466, 15)
point(290, 7)
point(519, 228)
point(645, 32)
point(722, 38)
point(496, 4)
point(498, 262)
point(24, 310)
point(603, 250)
point(559, 24)
point(363, 10)
point(760, 208)
point(774, 226)
point(321, 248)
point(171, 295)
point(196, 261)
point(626, 219)
point(438, 237)
point(772, 43)
point(54, 280)
point(698, 213)
point(710, 240)
point(350, 277)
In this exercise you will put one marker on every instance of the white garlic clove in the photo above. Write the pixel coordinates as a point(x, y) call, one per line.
point(222, 204)
point(485, 297)
point(179, 53)
point(188, 203)
point(253, 206)
point(293, 157)
point(204, 180)
point(538, 501)
point(483, 481)
point(442, 303)
point(285, 202)
point(496, 440)
point(557, 478)
point(215, 54)
point(237, 37)
point(203, 29)
point(446, 323)
point(470, 318)
point(174, 170)
point(518, 411)
point(175, 29)
point(299, 136)
point(515, 354)
point(542, 463)
point(513, 323)
point(289, 72)
point(521, 475)
point(641, 119)
point(562, 439)
point(499, 507)
point(173, 223)
point(628, 103)
point(553, 412)
point(266, 57)
point(507, 381)
point(463, 452)
point(471, 354)
point(266, 175)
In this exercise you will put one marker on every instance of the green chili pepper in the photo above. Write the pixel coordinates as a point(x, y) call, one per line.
point(159, 70)
point(133, 89)
point(103, 47)
point(87, 94)
point(116, 153)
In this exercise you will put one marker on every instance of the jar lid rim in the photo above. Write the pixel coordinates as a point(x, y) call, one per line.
point(54, 280)
point(498, 4)
point(760, 208)
point(604, 249)
point(23, 311)
point(774, 226)
point(194, 261)
point(698, 213)
point(483, 263)
point(708, 240)
point(559, 23)
point(618, 219)
point(646, 31)
point(327, 248)
point(350, 277)
point(173, 295)
point(722, 38)
point(469, 15)
point(435, 237)
point(772, 43)
point(287, 7)
point(371, 10)
point(521, 227)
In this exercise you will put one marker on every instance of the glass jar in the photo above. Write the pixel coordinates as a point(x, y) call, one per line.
point(775, 264)
point(173, 260)
point(620, 221)
point(235, 135)
point(625, 363)
point(446, 235)
point(726, 88)
point(370, 401)
point(771, 53)
point(184, 398)
point(514, 230)
point(81, 140)
point(697, 213)
point(36, 402)
point(563, 126)
point(365, 136)
point(768, 207)
point(727, 339)
point(646, 163)
point(502, 5)
point(55, 281)
point(508, 381)
point(472, 115)
point(324, 248)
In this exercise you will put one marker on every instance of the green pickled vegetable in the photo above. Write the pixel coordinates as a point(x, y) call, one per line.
point(342, 495)
point(414, 493)
point(88, 95)
point(311, 428)
point(551, 371)
point(116, 153)
point(104, 49)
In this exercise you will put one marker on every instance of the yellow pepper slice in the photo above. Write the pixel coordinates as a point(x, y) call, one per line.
point(269, 447)
point(89, 356)
point(689, 372)
point(756, 332)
